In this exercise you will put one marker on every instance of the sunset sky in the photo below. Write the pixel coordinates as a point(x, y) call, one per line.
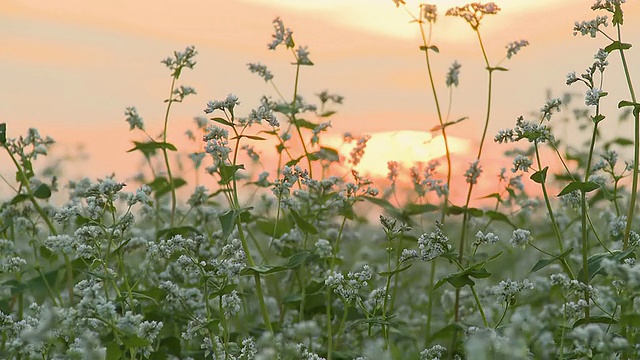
point(71, 67)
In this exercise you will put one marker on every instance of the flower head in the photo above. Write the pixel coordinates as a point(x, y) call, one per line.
point(474, 12)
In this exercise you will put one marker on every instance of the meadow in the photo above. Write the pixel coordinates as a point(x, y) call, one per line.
point(310, 259)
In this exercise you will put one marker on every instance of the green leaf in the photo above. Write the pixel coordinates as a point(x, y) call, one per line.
point(617, 45)
point(149, 148)
point(160, 185)
point(396, 271)
point(386, 205)
point(19, 198)
point(327, 113)
point(583, 186)
point(377, 320)
point(328, 154)
point(619, 141)
point(416, 209)
point(545, 262)
point(497, 68)
point(113, 351)
point(271, 228)
point(630, 319)
point(295, 161)
point(302, 123)
point(228, 222)
point(617, 14)
point(447, 124)
point(293, 262)
point(432, 48)
point(457, 210)
point(222, 121)
point(252, 137)
point(306, 227)
point(596, 119)
point(227, 172)
point(498, 216)
point(42, 192)
point(227, 289)
point(134, 341)
point(594, 263)
point(540, 176)
point(595, 320)
point(625, 103)
point(463, 277)
point(3, 133)
point(446, 332)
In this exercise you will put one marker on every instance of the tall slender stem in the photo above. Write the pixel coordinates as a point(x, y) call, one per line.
point(166, 156)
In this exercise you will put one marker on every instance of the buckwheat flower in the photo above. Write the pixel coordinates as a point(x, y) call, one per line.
point(435, 352)
point(227, 104)
point(399, 2)
point(601, 59)
point(183, 91)
point(12, 265)
point(231, 304)
point(521, 162)
point(593, 97)
point(609, 5)
point(505, 136)
point(317, 130)
point(571, 78)
point(261, 70)
point(199, 197)
point(515, 46)
point(617, 226)
point(134, 120)
point(140, 196)
point(181, 60)
point(428, 12)
point(281, 35)
point(474, 12)
point(66, 212)
point(408, 255)
point(393, 171)
point(453, 74)
point(433, 244)
point(473, 172)
point(149, 330)
point(325, 96)
point(611, 157)
point(323, 248)
point(590, 27)
point(302, 54)
point(64, 243)
point(488, 238)
point(358, 151)
point(506, 290)
point(129, 323)
point(520, 238)
point(549, 107)
point(248, 350)
point(573, 200)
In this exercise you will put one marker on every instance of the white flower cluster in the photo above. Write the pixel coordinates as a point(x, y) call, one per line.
point(506, 290)
point(433, 244)
point(348, 287)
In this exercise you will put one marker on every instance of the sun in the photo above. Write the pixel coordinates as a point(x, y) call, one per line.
point(407, 147)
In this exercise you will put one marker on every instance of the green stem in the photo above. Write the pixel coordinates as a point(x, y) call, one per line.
point(554, 224)
point(166, 156)
point(295, 123)
point(636, 146)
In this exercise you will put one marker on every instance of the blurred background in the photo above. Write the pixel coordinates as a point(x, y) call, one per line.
point(70, 68)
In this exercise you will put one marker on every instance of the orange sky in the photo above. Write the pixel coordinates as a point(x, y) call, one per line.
point(71, 67)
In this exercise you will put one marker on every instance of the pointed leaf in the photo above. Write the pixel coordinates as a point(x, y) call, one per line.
point(227, 172)
point(396, 271)
point(42, 192)
point(306, 227)
point(541, 264)
point(617, 45)
point(3, 133)
point(222, 121)
point(540, 176)
point(150, 147)
point(228, 222)
point(583, 186)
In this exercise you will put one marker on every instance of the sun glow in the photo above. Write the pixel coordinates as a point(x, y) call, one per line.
point(409, 148)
